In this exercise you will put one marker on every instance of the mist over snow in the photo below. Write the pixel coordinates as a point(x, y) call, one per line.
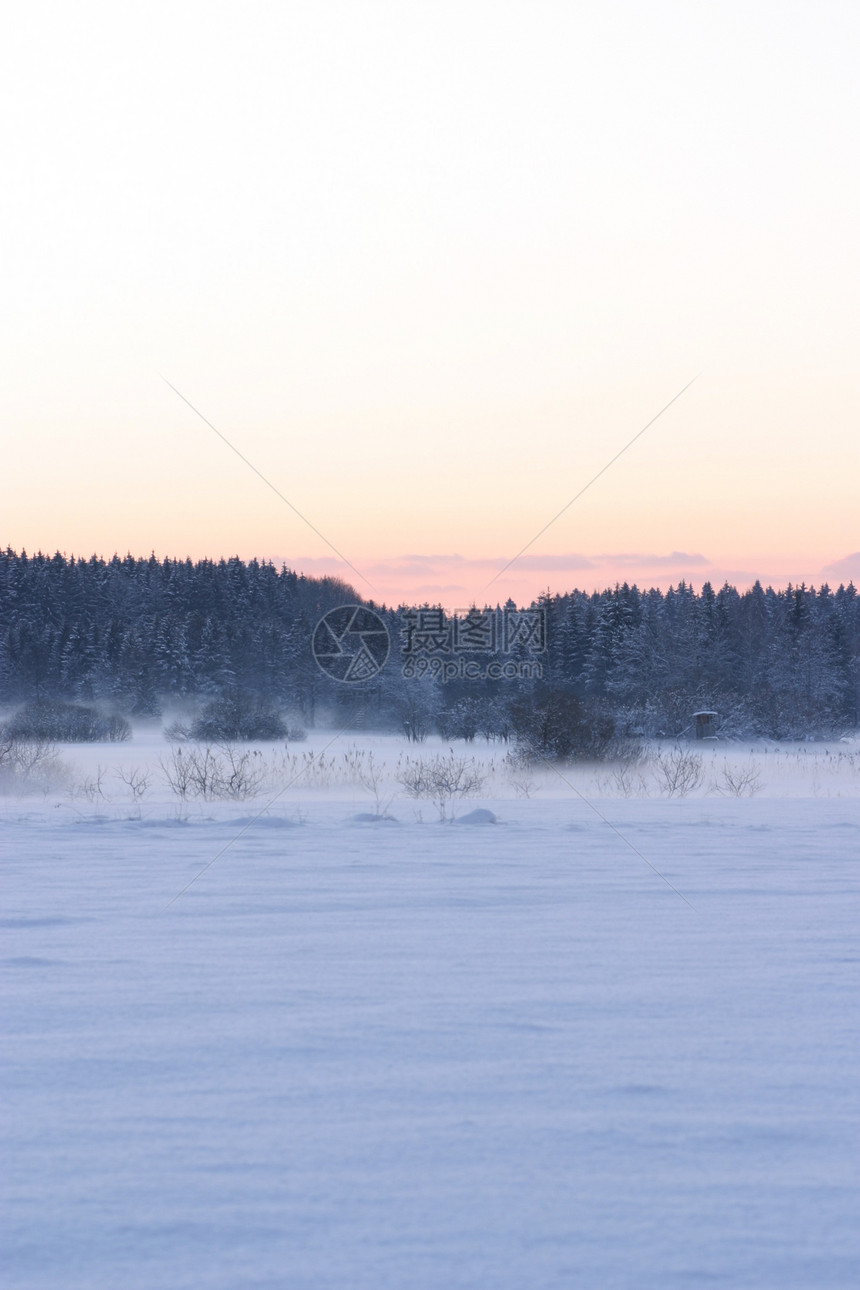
point(314, 1033)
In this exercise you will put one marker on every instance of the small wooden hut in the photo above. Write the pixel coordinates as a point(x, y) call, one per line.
point(705, 724)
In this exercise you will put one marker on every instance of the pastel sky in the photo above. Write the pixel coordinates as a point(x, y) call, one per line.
point(429, 269)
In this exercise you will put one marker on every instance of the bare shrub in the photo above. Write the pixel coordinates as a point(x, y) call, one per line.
point(28, 765)
point(371, 775)
point(91, 787)
point(242, 773)
point(440, 779)
point(626, 776)
point(522, 783)
point(7, 751)
point(738, 781)
point(678, 772)
point(178, 732)
point(214, 774)
point(519, 771)
point(25, 756)
point(177, 770)
point(136, 780)
point(206, 773)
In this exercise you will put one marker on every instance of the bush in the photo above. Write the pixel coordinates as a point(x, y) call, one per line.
point(178, 732)
point(47, 719)
point(221, 773)
point(440, 779)
point(678, 772)
point(29, 765)
point(557, 726)
point(237, 715)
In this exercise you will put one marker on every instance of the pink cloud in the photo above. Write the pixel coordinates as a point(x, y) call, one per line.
point(847, 567)
point(455, 580)
point(675, 560)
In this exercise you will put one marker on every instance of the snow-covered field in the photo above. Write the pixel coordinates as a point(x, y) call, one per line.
point(611, 1047)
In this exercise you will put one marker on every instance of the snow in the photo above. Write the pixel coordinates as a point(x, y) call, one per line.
point(369, 1052)
point(479, 816)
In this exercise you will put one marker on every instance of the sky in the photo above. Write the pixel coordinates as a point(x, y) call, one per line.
point(422, 273)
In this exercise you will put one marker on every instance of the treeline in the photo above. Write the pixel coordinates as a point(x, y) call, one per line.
point(141, 633)
point(144, 635)
point(780, 663)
